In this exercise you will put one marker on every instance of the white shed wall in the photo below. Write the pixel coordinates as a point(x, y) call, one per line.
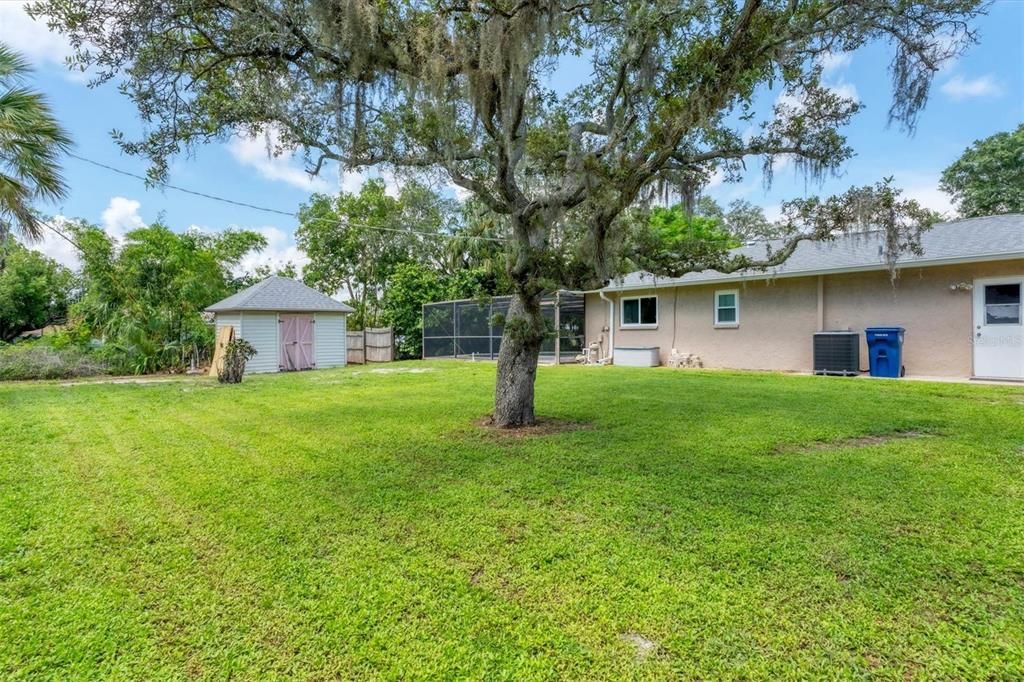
point(261, 330)
point(228, 320)
point(329, 340)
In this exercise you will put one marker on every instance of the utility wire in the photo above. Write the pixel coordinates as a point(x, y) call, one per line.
point(63, 235)
point(291, 214)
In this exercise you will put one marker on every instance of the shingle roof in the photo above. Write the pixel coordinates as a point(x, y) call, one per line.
point(974, 239)
point(280, 294)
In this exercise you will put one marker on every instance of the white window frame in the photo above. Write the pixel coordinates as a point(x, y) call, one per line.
point(638, 325)
point(727, 325)
point(985, 305)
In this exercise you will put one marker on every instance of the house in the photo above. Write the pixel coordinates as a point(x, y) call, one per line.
point(960, 302)
point(291, 326)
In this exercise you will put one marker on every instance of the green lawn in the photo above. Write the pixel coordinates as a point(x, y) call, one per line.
point(357, 524)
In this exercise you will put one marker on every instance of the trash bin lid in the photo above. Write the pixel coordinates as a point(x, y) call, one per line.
point(885, 330)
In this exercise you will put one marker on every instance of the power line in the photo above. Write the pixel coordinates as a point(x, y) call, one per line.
point(193, 192)
point(290, 214)
point(60, 233)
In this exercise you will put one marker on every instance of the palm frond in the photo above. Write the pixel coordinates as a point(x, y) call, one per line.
point(31, 143)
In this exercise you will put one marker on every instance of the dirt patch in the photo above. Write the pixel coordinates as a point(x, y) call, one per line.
point(642, 647)
point(544, 427)
point(856, 442)
point(477, 575)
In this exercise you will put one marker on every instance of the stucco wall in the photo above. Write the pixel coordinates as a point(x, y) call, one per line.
point(778, 318)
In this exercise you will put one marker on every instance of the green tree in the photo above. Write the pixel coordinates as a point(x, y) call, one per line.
point(34, 292)
point(356, 241)
point(743, 220)
point(458, 89)
point(748, 222)
point(145, 299)
point(31, 141)
point(412, 285)
point(706, 206)
point(261, 272)
point(988, 179)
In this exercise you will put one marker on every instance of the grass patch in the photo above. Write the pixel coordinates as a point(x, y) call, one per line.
point(353, 524)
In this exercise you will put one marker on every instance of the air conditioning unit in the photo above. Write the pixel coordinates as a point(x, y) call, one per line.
point(837, 353)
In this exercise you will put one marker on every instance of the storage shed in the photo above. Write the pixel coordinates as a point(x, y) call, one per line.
point(291, 326)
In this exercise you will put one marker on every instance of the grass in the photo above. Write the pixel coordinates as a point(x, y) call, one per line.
point(354, 524)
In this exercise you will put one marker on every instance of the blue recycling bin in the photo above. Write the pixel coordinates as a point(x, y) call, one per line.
point(885, 351)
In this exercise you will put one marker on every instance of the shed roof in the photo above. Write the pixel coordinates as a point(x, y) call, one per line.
point(962, 241)
point(280, 294)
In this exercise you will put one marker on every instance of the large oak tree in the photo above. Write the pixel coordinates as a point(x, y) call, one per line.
point(988, 178)
point(464, 89)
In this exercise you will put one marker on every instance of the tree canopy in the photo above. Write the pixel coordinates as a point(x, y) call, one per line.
point(463, 91)
point(145, 298)
point(34, 292)
point(390, 254)
point(355, 241)
point(988, 178)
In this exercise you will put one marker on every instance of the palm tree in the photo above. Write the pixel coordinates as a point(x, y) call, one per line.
point(31, 140)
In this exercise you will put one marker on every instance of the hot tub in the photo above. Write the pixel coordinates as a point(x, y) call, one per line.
point(646, 356)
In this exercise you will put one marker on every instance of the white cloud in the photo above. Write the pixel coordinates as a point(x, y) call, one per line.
point(29, 36)
point(773, 212)
point(844, 89)
point(257, 153)
point(281, 249)
point(33, 39)
point(352, 181)
point(924, 188)
point(121, 216)
point(959, 88)
point(55, 246)
point(930, 196)
point(834, 61)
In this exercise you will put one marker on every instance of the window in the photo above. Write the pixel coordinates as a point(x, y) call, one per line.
point(640, 311)
point(1002, 304)
point(727, 308)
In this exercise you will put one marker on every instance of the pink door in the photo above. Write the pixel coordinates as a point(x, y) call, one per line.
point(296, 342)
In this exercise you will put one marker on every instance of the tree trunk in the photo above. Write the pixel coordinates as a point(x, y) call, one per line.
point(517, 362)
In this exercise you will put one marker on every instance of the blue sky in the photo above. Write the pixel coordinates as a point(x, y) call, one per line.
point(980, 94)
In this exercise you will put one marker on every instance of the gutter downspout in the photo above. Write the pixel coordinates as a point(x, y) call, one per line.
point(611, 328)
point(611, 320)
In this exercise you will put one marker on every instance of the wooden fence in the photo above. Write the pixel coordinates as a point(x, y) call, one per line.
point(371, 345)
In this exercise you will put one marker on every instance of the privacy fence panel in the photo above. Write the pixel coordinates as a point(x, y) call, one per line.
point(371, 345)
point(472, 329)
point(379, 344)
point(356, 351)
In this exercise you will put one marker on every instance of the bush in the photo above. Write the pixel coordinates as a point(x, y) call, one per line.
point(236, 354)
point(40, 360)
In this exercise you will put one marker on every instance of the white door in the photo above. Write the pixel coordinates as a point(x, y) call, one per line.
point(998, 334)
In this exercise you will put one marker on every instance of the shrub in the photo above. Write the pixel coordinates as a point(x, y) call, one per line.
point(40, 360)
point(236, 354)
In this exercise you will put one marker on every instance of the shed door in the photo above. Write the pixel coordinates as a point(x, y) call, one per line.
point(296, 342)
point(998, 328)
